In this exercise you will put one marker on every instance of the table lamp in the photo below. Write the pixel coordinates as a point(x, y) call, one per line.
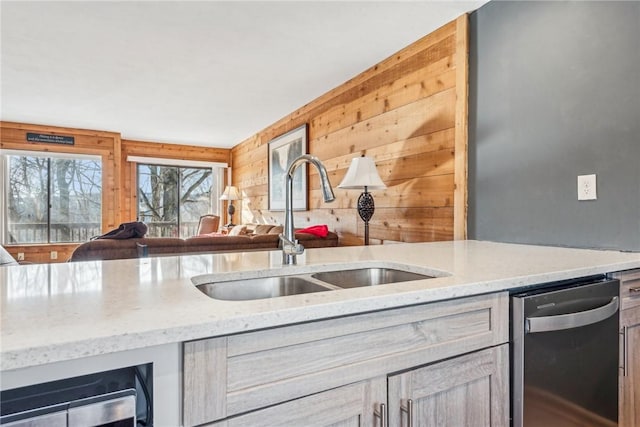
point(362, 174)
point(230, 193)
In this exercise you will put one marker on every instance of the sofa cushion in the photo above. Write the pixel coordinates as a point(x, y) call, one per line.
point(271, 239)
point(263, 228)
point(310, 241)
point(107, 249)
point(229, 243)
point(162, 245)
point(276, 230)
point(238, 230)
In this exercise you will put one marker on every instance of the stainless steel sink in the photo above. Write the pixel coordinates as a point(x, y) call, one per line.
point(367, 277)
point(280, 286)
point(266, 287)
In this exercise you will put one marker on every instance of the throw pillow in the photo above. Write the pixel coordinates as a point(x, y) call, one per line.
point(238, 230)
point(316, 230)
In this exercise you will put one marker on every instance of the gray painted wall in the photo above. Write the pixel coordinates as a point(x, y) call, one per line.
point(555, 93)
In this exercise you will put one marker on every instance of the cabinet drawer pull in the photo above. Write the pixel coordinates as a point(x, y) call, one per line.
point(409, 410)
point(382, 414)
point(634, 290)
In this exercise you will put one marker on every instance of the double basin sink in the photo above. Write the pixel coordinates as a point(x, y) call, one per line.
point(277, 286)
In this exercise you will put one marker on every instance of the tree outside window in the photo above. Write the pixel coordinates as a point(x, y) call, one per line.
point(172, 199)
point(53, 200)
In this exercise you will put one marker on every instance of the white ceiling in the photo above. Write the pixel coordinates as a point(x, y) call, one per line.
point(209, 73)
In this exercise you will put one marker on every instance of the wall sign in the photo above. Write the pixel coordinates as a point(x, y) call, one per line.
point(51, 139)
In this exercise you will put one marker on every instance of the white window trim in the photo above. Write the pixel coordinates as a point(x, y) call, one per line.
point(4, 171)
point(175, 162)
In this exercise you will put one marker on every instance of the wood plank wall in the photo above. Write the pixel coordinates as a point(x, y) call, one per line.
point(118, 175)
point(409, 113)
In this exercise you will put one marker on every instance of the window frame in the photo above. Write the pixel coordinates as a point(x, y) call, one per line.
point(4, 183)
point(217, 173)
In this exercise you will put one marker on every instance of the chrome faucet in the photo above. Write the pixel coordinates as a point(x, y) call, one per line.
point(290, 246)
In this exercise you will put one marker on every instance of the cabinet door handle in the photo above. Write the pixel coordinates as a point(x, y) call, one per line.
point(571, 320)
point(382, 414)
point(409, 410)
point(625, 350)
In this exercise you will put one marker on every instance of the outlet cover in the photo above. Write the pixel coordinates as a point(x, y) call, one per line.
point(587, 187)
point(54, 255)
point(20, 256)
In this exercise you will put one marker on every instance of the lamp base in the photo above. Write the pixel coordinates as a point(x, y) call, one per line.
point(366, 208)
point(231, 210)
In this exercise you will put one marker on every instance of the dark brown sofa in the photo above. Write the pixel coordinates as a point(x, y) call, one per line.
point(106, 249)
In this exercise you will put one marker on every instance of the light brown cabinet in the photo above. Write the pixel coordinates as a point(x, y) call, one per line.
point(470, 390)
point(629, 413)
point(305, 372)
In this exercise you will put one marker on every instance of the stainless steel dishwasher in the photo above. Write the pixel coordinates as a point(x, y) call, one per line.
point(565, 350)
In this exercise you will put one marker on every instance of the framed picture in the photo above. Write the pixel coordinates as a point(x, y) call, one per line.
point(283, 150)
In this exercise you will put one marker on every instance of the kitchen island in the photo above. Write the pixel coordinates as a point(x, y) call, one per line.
point(77, 317)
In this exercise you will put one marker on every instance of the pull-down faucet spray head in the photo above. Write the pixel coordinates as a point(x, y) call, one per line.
point(290, 246)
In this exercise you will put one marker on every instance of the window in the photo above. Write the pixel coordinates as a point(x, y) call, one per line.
point(171, 199)
point(53, 199)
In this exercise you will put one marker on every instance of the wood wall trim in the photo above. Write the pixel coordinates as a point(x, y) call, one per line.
point(174, 151)
point(56, 129)
point(460, 194)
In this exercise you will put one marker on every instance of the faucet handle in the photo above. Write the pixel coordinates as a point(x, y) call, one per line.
point(289, 247)
point(296, 249)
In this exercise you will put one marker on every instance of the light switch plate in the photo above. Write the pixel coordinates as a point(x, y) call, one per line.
point(587, 187)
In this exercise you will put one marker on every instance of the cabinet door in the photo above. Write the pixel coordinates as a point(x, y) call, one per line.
point(470, 390)
point(352, 405)
point(629, 380)
point(629, 414)
point(629, 288)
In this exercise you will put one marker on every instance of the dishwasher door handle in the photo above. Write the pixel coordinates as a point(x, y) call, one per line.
point(571, 320)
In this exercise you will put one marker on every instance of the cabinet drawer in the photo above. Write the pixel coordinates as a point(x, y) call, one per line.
point(629, 288)
point(235, 374)
point(349, 405)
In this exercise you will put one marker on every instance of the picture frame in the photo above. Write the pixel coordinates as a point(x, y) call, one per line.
point(282, 151)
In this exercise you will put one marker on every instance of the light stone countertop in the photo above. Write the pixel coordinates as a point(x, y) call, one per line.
point(56, 312)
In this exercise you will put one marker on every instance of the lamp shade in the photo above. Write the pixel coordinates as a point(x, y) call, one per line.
point(230, 193)
point(362, 173)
